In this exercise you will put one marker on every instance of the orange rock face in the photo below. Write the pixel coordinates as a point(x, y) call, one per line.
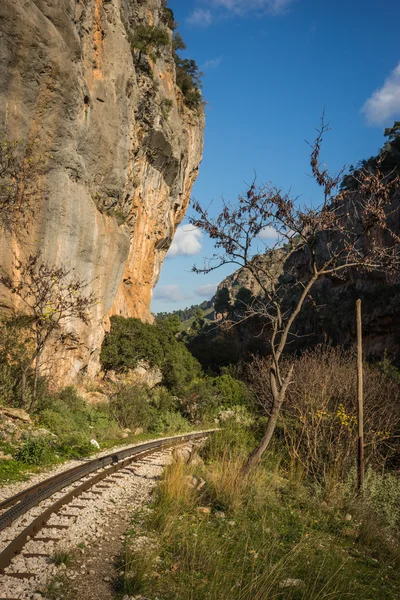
point(122, 152)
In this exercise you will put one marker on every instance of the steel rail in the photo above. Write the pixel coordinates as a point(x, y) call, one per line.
point(32, 496)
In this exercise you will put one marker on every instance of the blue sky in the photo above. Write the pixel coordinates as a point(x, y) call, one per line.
point(270, 67)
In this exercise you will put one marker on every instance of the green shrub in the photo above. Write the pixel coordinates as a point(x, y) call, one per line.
point(179, 368)
point(381, 495)
point(131, 341)
point(188, 79)
point(205, 397)
point(168, 422)
point(75, 422)
point(15, 351)
point(131, 407)
point(166, 106)
point(149, 39)
point(231, 391)
point(200, 402)
point(163, 400)
point(36, 451)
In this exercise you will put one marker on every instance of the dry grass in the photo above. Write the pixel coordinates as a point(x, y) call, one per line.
point(272, 530)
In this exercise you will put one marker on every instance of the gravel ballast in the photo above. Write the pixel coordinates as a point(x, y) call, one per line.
point(96, 522)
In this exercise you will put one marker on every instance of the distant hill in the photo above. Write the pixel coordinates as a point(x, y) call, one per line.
point(186, 315)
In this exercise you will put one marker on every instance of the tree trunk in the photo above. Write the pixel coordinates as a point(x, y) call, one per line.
point(278, 394)
point(35, 381)
point(23, 386)
point(257, 453)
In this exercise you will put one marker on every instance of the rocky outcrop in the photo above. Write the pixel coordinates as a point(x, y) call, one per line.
point(122, 150)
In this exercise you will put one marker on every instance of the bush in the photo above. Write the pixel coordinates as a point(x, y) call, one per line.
point(168, 422)
point(382, 494)
point(15, 353)
point(320, 413)
point(36, 451)
point(131, 407)
point(204, 398)
point(75, 422)
point(179, 368)
point(131, 341)
point(149, 39)
point(188, 79)
point(156, 411)
point(231, 391)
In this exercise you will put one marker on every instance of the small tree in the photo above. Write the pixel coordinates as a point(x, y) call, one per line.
point(149, 39)
point(347, 231)
point(19, 177)
point(51, 298)
point(243, 301)
point(222, 303)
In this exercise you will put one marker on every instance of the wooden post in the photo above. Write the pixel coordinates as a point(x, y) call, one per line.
point(360, 400)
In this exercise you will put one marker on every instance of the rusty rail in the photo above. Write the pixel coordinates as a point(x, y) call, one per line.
point(104, 466)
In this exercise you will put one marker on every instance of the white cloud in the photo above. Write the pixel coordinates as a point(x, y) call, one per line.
point(187, 242)
point(268, 234)
point(219, 8)
point(385, 101)
point(206, 291)
point(242, 7)
point(170, 293)
point(200, 17)
point(213, 63)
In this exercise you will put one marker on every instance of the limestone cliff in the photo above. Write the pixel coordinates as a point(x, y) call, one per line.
point(121, 146)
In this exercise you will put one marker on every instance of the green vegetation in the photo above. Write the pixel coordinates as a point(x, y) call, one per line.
point(64, 423)
point(66, 426)
point(166, 106)
point(188, 76)
point(62, 557)
point(190, 316)
point(222, 304)
point(149, 40)
point(130, 341)
point(272, 535)
point(155, 411)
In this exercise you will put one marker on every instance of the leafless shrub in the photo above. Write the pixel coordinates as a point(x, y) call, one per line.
point(50, 297)
point(319, 416)
point(20, 191)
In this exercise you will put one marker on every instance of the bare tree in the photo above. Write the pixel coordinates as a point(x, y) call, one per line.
point(51, 297)
point(20, 172)
point(346, 231)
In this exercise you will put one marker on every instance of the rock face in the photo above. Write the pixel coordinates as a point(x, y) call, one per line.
point(122, 150)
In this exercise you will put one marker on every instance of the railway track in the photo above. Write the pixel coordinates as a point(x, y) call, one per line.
point(37, 509)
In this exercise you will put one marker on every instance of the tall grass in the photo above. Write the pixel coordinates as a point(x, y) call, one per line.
point(263, 538)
